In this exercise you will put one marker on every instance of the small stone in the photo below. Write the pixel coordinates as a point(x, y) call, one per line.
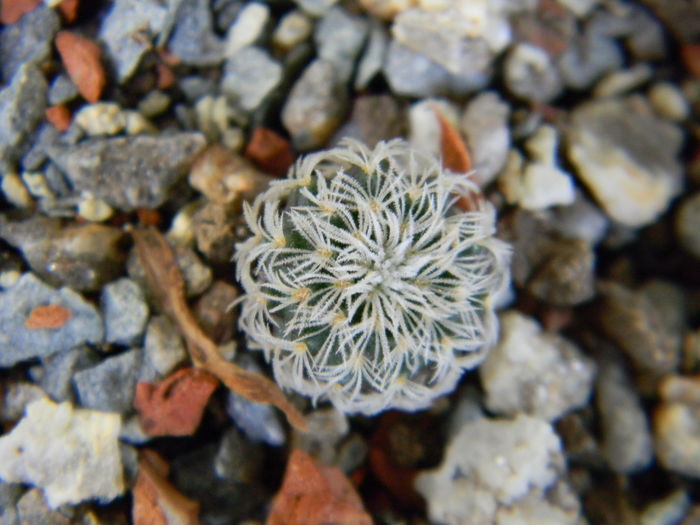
point(103, 118)
point(19, 343)
point(688, 224)
point(62, 90)
point(129, 172)
point(81, 58)
point(59, 116)
point(627, 443)
point(12, 10)
point(669, 102)
point(327, 427)
point(94, 210)
point(237, 460)
point(270, 151)
point(294, 28)
point(83, 256)
point(339, 37)
point(214, 311)
point(372, 59)
point(248, 27)
point(260, 423)
point(213, 230)
point(315, 7)
point(16, 397)
point(15, 191)
point(668, 510)
point(316, 105)
point(538, 373)
point(137, 124)
point(250, 76)
point(386, 9)
point(676, 437)
point(485, 127)
point(531, 75)
point(627, 157)
point(154, 103)
point(71, 454)
point(109, 386)
point(59, 368)
point(10, 493)
point(588, 57)
point(31, 508)
point(28, 41)
point(22, 105)
point(181, 232)
point(364, 126)
point(193, 39)
point(163, 348)
point(125, 312)
point(37, 185)
point(580, 220)
point(212, 116)
point(623, 81)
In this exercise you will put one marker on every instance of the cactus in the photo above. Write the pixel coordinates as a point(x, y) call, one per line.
point(365, 283)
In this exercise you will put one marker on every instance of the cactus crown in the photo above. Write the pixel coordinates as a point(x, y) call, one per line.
point(365, 283)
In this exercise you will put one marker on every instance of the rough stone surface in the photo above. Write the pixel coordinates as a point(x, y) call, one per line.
point(10, 493)
point(339, 37)
point(32, 508)
point(19, 343)
point(588, 57)
point(163, 349)
point(534, 372)
point(16, 397)
point(193, 39)
point(58, 370)
point(250, 76)
point(61, 90)
point(102, 118)
point(72, 455)
point(316, 105)
point(364, 125)
point(129, 172)
point(627, 157)
point(531, 75)
point(109, 386)
point(676, 437)
point(125, 312)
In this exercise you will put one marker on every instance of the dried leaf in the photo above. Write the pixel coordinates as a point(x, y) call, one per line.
point(315, 494)
point(156, 501)
point(51, 316)
point(174, 407)
point(167, 284)
point(455, 156)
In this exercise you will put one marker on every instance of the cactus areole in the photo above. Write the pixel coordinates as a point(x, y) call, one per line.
point(365, 283)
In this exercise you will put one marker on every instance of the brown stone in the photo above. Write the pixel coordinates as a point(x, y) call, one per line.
point(81, 57)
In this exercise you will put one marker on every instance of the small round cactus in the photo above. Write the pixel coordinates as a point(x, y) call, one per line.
point(366, 283)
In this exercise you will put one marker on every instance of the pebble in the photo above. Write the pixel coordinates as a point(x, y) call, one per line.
point(530, 74)
point(193, 39)
point(623, 81)
point(425, 132)
point(163, 349)
point(62, 90)
point(315, 7)
point(511, 465)
point(154, 103)
point(676, 437)
point(125, 312)
point(94, 210)
point(580, 220)
point(81, 58)
point(83, 256)
point(326, 428)
point(237, 460)
point(129, 172)
point(627, 444)
point(627, 157)
point(363, 124)
point(687, 222)
point(22, 105)
point(643, 35)
point(669, 510)
point(109, 386)
point(339, 38)
point(71, 454)
point(214, 312)
point(102, 118)
point(316, 105)
point(10, 493)
point(32, 508)
point(386, 9)
point(484, 124)
point(213, 230)
point(248, 27)
point(127, 30)
point(15, 192)
point(669, 102)
point(36, 184)
point(250, 76)
point(588, 57)
point(537, 373)
point(372, 59)
point(58, 369)
point(17, 395)
point(28, 41)
point(19, 343)
point(294, 28)
point(11, 266)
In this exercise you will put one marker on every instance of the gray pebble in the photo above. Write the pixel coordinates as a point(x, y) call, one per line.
point(125, 312)
point(129, 172)
point(250, 75)
point(10, 493)
point(587, 58)
point(16, 396)
point(58, 371)
point(61, 90)
point(339, 37)
point(364, 125)
point(19, 343)
point(370, 64)
point(32, 508)
point(193, 39)
point(530, 74)
point(163, 349)
point(109, 386)
point(195, 87)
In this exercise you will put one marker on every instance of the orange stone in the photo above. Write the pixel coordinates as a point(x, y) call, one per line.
point(59, 116)
point(81, 57)
point(270, 151)
point(12, 10)
point(69, 10)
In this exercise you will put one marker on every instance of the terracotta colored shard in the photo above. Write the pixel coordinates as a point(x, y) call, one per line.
point(315, 494)
point(174, 407)
point(148, 217)
point(165, 76)
point(155, 500)
point(81, 57)
point(50, 316)
point(59, 116)
point(691, 58)
point(69, 10)
point(270, 151)
point(455, 156)
point(12, 10)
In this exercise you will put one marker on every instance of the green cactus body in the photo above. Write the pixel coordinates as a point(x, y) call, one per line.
point(364, 281)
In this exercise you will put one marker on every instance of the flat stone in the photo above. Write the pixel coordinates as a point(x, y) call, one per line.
point(627, 157)
point(315, 106)
point(109, 386)
point(129, 172)
point(22, 105)
point(82, 256)
point(71, 454)
point(125, 312)
point(339, 37)
point(214, 312)
point(668, 510)
point(249, 26)
point(163, 349)
point(27, 41)
point(193, 39)
point(19, 343)
point(250, 75)
point(534, 372)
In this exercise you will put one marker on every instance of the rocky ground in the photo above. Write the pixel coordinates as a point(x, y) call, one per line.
point(581, 121)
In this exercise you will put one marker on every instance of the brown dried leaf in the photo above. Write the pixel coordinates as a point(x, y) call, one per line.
point(49, 316)
point(164, 277)
point(455, 156)
point(156, 501)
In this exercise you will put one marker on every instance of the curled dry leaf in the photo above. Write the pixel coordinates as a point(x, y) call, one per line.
point(51, 316)
point(315, 494)
point(167, 284)
point(156, 501)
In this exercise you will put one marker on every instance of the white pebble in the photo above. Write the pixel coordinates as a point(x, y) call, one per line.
point(669, 102)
